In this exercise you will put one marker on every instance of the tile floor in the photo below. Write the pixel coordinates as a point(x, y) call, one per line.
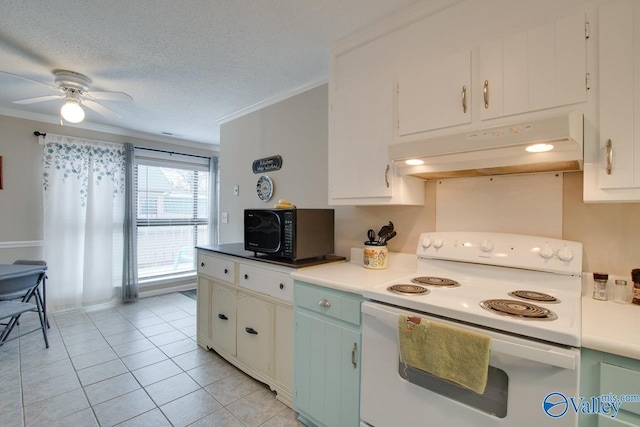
point(135, 364)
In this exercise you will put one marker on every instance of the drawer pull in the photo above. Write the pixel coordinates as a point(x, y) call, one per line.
point(353, 355)
point(281, 285)
point(324, 303)
point(202, 264)
point(246, 277)
point(251, 331)
point(222, 317)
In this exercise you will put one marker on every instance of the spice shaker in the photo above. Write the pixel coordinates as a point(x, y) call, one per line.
point(635, 276)
point(600, 286)
point(620, 291)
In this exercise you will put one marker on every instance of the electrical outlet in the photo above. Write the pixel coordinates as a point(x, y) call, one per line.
point(236, 190)
point(225, 217)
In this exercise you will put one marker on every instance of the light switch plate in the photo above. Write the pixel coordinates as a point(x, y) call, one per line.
point(225, 217)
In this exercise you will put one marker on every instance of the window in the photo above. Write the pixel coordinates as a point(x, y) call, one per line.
point(173, 197)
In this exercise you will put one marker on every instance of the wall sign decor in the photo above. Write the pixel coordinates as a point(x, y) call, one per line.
point(267, 164)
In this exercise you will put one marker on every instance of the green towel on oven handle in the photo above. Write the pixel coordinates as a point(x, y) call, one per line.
point(448, 352)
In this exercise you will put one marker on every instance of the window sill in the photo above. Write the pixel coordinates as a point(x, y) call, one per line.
point(174, 279)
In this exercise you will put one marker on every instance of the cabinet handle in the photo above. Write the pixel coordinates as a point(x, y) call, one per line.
point(463, 95)
point(386, 176)
point(222, 317)
point(353, 355)
point(609, 156)
point(246, 277)
point(324, 303)
point(202, 264)
point(485, 93)
point(251, 331)
point(226, 271)
point(281, 285)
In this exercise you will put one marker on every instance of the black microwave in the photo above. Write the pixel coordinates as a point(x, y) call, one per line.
point(293, 234)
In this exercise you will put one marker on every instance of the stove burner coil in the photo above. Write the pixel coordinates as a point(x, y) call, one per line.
point(518, 309)
point(408, 289)
point(435, 281)
point(534, 296)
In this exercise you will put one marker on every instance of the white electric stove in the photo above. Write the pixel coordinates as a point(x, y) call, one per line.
point(522, 291)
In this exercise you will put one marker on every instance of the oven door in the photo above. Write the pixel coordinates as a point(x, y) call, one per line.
point(522, 375)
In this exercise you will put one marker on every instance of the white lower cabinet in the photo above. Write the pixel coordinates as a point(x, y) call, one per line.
point(247, 326)
point(254, 331)
point(223, 317)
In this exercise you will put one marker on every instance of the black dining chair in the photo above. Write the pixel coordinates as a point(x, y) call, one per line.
point(11, 288)
point(41, 296)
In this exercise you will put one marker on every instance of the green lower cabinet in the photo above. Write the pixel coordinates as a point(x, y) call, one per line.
point(326, 356)
point(607, 378)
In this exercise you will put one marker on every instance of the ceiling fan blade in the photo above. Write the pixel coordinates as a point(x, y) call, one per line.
point(38, 99)
point(100, 109)
point(50, 86)
point(109, 96)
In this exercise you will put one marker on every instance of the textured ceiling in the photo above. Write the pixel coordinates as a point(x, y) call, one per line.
point(186, 63)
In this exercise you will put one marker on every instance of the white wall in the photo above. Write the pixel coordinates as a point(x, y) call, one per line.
point(21, 198)
point(295, 129)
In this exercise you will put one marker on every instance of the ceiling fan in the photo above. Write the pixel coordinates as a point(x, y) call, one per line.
point(74, 88)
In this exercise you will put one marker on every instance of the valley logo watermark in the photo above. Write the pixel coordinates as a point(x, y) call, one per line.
point(556, 404)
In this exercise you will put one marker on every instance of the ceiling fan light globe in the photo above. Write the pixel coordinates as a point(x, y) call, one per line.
point(72, 112)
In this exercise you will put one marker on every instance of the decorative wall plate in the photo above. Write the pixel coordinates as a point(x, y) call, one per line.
point(265, 188)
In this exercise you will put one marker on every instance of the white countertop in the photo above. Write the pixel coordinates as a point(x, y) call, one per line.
point(606, 326)
point(353, 277)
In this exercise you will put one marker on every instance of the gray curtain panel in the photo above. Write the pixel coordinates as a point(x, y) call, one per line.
point(130, 264)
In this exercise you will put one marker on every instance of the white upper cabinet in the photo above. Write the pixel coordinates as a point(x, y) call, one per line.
point(537, 69)
point(612, 161)
point(619, 84)
point(435, 95)
point(360, 129)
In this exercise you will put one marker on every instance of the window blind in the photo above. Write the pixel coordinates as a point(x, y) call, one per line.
point(173, 210)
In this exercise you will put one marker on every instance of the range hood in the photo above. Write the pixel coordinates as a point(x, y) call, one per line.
point(512, 149)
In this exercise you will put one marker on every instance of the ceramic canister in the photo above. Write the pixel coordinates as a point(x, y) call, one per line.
point(376, 256)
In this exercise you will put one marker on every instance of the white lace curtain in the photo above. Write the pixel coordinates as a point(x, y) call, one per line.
point(84, 189)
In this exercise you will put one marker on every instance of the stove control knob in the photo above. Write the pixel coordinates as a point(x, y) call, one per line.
point(438, 243)
point(565, 254)
point(547, 252)
point(426, 242)
point(486, 245)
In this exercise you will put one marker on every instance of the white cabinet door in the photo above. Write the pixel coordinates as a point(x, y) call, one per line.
point(362, 118)
point(619, 83)
point(203, 324)
point(435, 95)
point(255, 332)
point(284, 346)
point(361, 124)
point(541, 68)
point(223, 318)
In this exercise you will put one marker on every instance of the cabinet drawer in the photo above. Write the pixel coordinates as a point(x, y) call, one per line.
point(330, 302)
point(276, 284)
point(619, 381)
point(218, 268)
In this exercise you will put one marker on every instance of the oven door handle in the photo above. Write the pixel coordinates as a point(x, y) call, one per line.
point(545, 356)
point(548, 356)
